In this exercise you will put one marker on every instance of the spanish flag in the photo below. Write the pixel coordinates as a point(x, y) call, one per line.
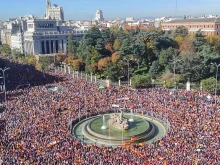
point(165, 162)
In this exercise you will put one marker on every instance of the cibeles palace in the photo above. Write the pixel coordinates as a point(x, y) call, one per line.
point(43, 36)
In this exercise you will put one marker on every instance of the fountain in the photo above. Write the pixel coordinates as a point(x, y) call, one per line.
point(103, 123)
point(131, 119)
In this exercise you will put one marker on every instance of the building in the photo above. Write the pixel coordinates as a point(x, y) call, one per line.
point(129, 19)
point(54, 12)
point(17, 40)
point(208, 26)
point(99, 16)
point(43, 36)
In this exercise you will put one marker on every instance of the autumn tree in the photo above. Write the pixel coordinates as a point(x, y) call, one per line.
point(103, 62)
point(187, 45)
point(117, 45)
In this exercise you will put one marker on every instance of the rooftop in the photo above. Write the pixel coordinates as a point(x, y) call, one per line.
point(195, 20)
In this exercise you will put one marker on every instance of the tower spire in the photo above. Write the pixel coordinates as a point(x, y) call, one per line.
point(48, 4)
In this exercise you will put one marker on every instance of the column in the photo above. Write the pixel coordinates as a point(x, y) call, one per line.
point(50, 50)
point(45, 47)
point(54, 46)
point(64, 46)
point(60, 45)
point(119, 82)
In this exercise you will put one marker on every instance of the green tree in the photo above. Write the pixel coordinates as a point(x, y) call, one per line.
point(180, 31)
point(113, 71)
point(72, 45)
point(139, 81)
point(106, 35)
point(5, 50)
point(209, 84)
point(199, 41)
point(45, 62)
point(100, 46)
point(117, 45)
point(154, 69)
point(16, 54)
point(125, 49)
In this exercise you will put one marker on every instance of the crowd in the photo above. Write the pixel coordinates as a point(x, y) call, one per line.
point(36, 131)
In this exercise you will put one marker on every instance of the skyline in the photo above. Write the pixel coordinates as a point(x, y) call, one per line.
point(85, 9)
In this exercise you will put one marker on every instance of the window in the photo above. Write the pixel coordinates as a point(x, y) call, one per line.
point(30, 25)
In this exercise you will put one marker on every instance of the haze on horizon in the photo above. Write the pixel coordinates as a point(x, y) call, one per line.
point(113, 9)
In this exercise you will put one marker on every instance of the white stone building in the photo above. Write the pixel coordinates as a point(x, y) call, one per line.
point(45, 37)
point(99, 16)
point(54, 12)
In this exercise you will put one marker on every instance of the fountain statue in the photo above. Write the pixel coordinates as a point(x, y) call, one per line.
point(118, 121)
point(103, 123)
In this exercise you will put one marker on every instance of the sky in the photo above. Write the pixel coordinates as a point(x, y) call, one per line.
point(112, 9)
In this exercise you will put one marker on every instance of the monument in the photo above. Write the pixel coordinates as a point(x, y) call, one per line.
point(118, 121)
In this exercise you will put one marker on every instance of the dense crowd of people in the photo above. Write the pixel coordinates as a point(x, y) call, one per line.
point(36, 131)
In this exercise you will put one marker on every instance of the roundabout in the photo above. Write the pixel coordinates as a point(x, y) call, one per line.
point(100, 130)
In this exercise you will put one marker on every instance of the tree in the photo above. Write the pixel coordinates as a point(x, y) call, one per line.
point(106, 35)
point(125, 49)
point(139, 81)
point(16, 54)
point(44, 62)
point(199, 41)
point(103, 62)
point(72, 45)
point(5, 50)
point(113, 71)
point(77, 64)
point(179, 39)
point(180, 31)
point(209, 84)
point(154, 69)
point(117, 44)
point(115, 57)
point(187, 45)
point(166, 56)
point(100, 46)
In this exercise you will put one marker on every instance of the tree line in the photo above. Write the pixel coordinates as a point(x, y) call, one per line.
point(152, 54)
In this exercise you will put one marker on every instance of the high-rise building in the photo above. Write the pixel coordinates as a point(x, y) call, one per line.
point(99, 16)
point(54, 12)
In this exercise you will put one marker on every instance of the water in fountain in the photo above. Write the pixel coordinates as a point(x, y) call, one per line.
point(103, 123)
point(131, 119)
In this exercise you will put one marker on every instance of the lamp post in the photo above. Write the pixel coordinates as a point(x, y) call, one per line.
point(216, 80)
point(3, 73)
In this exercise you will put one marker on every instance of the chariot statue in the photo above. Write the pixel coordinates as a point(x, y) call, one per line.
point(118, 121)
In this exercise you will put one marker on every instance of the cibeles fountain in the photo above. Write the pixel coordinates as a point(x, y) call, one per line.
point(115, 129)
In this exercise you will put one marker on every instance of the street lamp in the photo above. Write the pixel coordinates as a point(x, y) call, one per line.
point(3, 72)
point(216, 80)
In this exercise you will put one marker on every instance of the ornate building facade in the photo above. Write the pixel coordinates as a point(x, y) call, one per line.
point(45, 37)
point(54, 12)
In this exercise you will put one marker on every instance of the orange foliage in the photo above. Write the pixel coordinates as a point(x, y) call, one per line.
point(61, 58)
point(115, 57)
point(93, 68)
point(108, 46)
point(69, 59)
point(77, 64)
point(187, 46)
point(103, 62)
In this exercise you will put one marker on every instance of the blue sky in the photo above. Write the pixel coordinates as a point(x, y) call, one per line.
point(112, 9)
